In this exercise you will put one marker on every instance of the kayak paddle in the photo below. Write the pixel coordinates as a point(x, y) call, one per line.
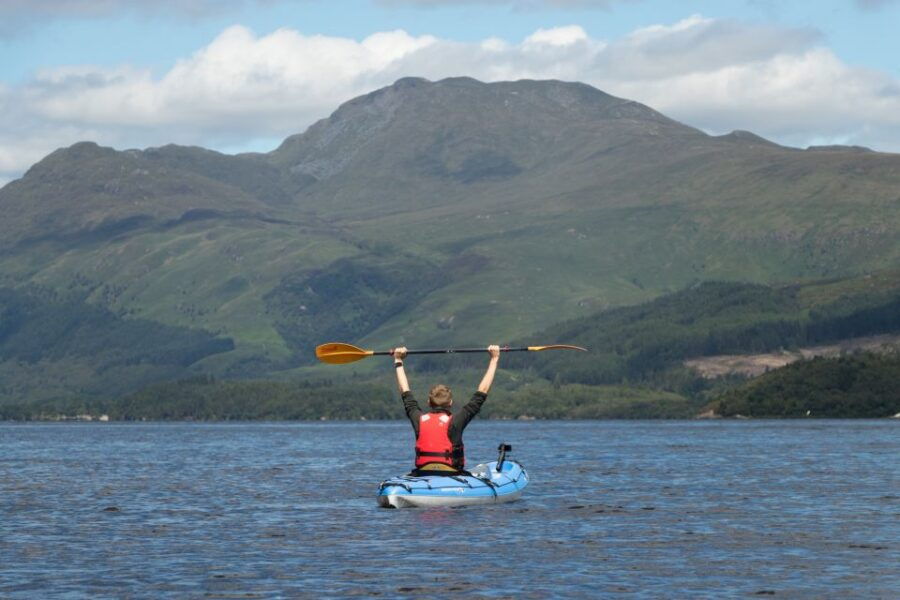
point(337, 353)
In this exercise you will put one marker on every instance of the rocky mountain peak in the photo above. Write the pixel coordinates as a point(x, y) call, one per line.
point(443, 124)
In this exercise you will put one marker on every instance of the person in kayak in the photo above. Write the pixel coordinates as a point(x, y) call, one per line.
point(439, 444)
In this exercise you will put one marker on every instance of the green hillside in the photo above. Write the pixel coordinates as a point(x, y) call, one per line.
point(437, 213)
point(648, 342)
point(55, 346)
point(851, 386)
point(634, 368)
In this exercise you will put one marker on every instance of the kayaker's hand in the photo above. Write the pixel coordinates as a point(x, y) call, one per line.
point(494, 351)
point(400, 353)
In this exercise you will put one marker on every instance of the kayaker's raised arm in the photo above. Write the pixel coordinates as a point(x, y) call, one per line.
point(402, 381)
point(485, 386)
point(413, 412)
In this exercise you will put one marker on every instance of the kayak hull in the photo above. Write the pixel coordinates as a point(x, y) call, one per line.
point(486, 485)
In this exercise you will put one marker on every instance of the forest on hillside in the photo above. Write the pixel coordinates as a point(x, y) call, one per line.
point(633, 370)
point(205, 399)
point(648, 342)
point(863, 385)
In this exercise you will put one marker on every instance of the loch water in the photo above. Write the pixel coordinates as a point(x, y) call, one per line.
point(718, 509)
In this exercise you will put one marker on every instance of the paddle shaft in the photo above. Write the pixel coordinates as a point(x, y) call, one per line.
point(339, 353)
point(451, 351)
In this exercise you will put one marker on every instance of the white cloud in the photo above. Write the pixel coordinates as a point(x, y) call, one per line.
point(236, 91)
point(697, 43)
point(240, 81)
point(245, 90)
point(557, 36)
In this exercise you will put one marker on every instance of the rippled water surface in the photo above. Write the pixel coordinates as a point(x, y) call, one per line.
point(637, 509)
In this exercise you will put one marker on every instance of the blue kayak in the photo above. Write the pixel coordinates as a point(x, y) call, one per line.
point(484, 485)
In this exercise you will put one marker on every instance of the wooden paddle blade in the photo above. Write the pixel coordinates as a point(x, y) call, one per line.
point(337, 353)
point(556, 347)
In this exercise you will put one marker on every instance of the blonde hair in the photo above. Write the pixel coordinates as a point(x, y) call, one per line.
point(440, 396)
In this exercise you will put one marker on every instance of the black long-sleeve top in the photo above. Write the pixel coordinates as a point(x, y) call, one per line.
point(459, 422)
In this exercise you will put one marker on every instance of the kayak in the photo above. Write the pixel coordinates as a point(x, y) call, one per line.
point(484, 485)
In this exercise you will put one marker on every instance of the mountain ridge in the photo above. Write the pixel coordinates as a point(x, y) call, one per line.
point(438, 212)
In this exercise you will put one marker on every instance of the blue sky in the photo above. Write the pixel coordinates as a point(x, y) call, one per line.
point(862, 33)
point(241, 75)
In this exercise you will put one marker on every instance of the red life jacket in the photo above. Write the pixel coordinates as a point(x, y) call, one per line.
point(433, 444)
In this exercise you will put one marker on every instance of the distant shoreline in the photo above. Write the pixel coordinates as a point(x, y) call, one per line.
point(738, 419)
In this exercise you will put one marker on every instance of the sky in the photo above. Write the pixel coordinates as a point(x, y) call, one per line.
point(241, 75)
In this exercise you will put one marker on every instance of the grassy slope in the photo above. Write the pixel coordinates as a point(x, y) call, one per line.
point(214, 276)
point(555, 253)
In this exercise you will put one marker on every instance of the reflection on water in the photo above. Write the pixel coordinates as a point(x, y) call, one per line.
point(641, 509)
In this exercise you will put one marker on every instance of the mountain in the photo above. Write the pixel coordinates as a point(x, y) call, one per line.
point(432, 213)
